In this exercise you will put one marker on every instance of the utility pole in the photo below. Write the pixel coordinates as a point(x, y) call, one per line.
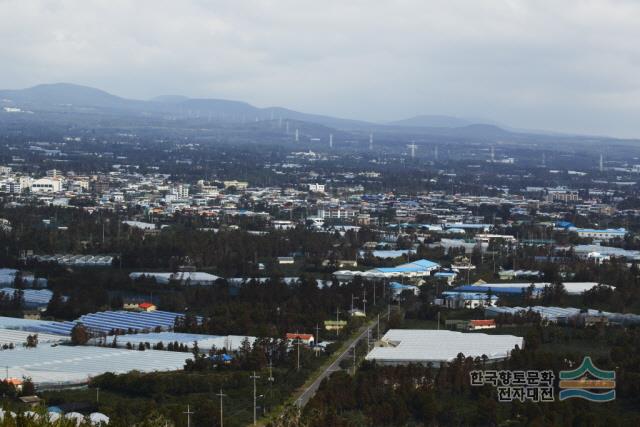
point(254, 377)
point(354, 358)
point(317, 337)
point(374, 293)
point(438, 319)
point(97, 394)
point(270, 366)
point(188, 413)
point(378, 335)
point(271, 380)
point(337, 324)
point(221, 395)
point(298, 342)
point(364, 301)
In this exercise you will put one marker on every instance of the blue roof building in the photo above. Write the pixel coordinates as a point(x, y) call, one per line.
point(467, 300)
point(397, 288)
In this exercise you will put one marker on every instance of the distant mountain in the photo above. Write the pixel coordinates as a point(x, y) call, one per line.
point(432, 121)
point(169, 99)
point(73, 104)
point(65, 94)
point(47, 97)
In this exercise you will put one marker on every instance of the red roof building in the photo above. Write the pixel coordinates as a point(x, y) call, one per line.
point(147, 306)
point(482, 324)
point(304, 338)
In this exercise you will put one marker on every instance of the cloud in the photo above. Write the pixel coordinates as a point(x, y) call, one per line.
point(569, 65)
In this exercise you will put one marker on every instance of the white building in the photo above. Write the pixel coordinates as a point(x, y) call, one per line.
point(316, 188)
point(283, 224)
point(604, 234)
point(404, 346)
point(46, 185)
point(195, 278)
point(181, 191)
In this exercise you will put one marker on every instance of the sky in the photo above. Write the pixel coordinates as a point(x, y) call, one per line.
point(569, 66)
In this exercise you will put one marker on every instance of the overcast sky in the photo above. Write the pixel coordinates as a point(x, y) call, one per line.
point(561, 65)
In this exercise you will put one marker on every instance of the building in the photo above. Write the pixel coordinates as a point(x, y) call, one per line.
point(334, 325)
point(147, 306)
point(283, 224)
point(316, 188)
point(46, 185)
point(181, 191)
point(238, 185)
point(572, 288)
point(306, 339)
point(75, 365)
point(416, 270)
point(469, 300)
point(404, 346)
point(397, 288)
point(604, 234)
point(337, 213)
point(563, 196)
point(487, 238)
point(565, 314)
point(195, 278)
point(481, 324)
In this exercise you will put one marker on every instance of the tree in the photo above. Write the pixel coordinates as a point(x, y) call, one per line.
point(28, 388)
point(32, 341)
point(79, 334)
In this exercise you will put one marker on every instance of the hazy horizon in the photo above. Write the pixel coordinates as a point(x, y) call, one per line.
point(571, 67)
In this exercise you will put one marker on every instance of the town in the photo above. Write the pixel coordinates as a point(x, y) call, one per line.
point(119, 269)
point(319, 214)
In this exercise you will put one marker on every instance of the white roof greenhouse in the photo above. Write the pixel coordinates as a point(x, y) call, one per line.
point(66, 365)
point(404, 346)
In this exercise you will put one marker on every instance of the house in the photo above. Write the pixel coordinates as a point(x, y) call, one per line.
point(354, 312)
point(449, 276)
point(481, 324)
point(306, 339)
point(31, 401)
point(147, 306)
point(397, 288)
point(16, 383)
point(222, 358)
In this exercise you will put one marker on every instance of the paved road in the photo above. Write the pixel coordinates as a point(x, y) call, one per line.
point(308, 393)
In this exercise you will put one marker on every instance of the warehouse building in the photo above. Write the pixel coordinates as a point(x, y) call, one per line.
point(194, 278)
point(419, 269)
point(565, 314)
point(404, 346)
point(68, 365)
point(572, 288)
point(205, 342)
